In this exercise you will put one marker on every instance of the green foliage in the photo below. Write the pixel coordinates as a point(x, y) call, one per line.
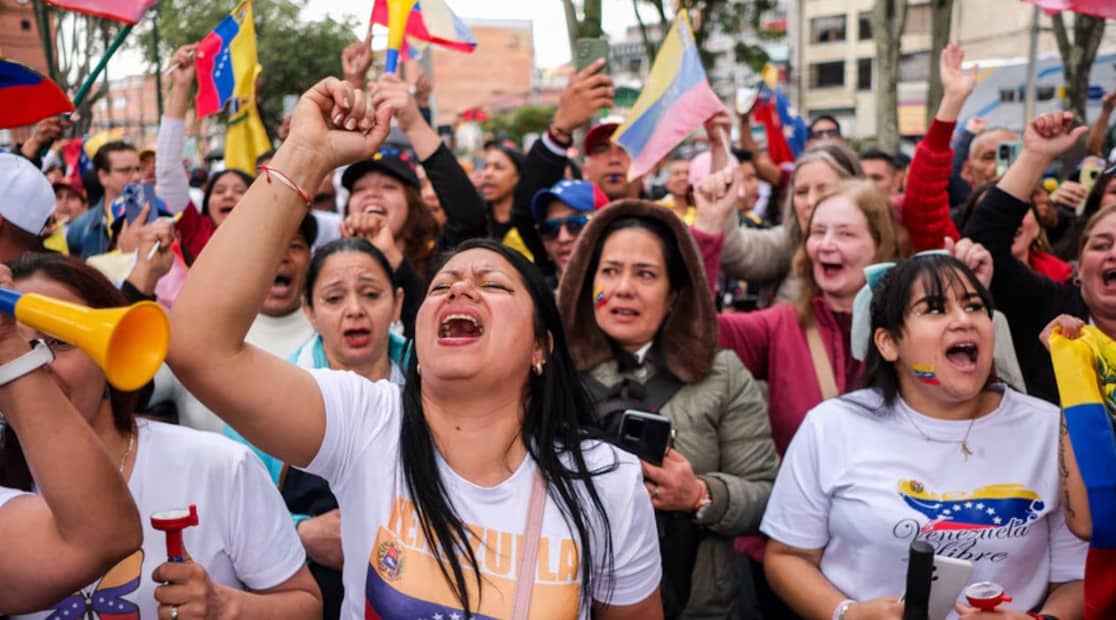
point(740, 19)
point(294, 52)
point(524, 120)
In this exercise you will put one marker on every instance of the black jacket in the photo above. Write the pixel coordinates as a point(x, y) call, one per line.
point(1028, 300)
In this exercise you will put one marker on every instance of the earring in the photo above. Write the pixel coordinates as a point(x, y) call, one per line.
point(418, 369)
point(538, 368)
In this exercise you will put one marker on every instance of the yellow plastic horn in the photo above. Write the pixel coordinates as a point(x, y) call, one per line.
point(128, 343)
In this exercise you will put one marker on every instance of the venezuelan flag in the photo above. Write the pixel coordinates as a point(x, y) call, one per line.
point(1085, 369)
point(126, 11)
point(227, 67)
point(676, 100)
point(429, 21)
point(27, 97)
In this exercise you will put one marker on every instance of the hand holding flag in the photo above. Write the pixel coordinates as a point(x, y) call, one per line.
point(676, 100)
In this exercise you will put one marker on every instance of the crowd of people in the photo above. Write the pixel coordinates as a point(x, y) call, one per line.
point(399, 388)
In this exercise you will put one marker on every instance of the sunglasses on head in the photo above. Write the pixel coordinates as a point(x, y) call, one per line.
point(550, 229)
point(825, 133)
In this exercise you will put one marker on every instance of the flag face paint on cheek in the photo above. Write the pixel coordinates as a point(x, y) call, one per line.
point(599, 297)
point(925, 373)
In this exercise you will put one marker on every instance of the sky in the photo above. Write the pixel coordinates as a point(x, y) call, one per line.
point(551, 42)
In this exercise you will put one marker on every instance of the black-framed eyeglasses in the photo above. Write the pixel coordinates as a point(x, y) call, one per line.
point(550, 229)
point(818, 134)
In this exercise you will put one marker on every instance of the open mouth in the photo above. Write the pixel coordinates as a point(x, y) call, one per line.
point(1109, 277)
point(831, 269)
point(358, 337)
point(963, 355)
point(460, 328)
point(614, 178)
point(226, 209)
point(624, 315)
point(375, 210)
point(281, 286)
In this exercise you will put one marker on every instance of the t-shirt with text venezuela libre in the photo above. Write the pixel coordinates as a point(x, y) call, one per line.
point(390, 571)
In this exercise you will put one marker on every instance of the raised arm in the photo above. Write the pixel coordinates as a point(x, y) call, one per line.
point(1094, 144)
point(464, 207)
point(716, 198)
point(83, 520)
point(171, 183)
point(765, 167)
point(926, 201)
point(272, 403)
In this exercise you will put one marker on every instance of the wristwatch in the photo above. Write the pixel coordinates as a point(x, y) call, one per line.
point(701, 509)
point(40, 355)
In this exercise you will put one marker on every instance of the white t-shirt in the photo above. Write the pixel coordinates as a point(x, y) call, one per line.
point(388, 566)
point(279, 336)
point(7, 494)
point(862, 484)
point(244, 537)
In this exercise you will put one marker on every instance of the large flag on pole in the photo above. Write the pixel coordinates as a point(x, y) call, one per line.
point(676, 100)
point(1086, 372)
point(1099, 8)
point(126, 11)
point(227, 67)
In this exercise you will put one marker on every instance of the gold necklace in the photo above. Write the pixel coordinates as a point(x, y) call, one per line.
point(128, 452)
point(964, 440)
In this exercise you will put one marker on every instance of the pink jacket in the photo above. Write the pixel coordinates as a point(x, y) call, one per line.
point(772, 345)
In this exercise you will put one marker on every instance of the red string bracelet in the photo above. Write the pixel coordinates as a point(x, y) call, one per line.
point(286, 180)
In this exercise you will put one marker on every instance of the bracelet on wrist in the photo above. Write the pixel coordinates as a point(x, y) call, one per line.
point(286, 180)
point(842, 608)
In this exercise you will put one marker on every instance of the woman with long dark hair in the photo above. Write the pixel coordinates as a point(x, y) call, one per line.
point(244, 557)
point(933, 448)
point(434, 480)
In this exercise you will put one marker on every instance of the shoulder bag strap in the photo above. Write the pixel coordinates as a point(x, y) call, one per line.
point(529, 552)
point(822, 367)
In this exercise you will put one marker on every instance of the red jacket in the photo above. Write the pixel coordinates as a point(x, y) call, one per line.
point(926, 201)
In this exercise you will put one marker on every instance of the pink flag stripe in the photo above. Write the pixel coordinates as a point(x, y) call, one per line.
point(690, 110)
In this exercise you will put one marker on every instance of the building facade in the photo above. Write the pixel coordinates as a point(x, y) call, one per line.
point(834, 54)
point(502, 65)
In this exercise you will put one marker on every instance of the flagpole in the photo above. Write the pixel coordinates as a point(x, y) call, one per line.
point(83, 91)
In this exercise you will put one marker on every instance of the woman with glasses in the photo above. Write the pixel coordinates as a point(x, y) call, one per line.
point(561, 212)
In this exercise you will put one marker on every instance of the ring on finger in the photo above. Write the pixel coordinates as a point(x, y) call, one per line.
point(655, 492)
point(174, 612)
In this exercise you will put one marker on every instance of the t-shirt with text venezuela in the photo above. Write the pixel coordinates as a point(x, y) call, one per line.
point(389, 570)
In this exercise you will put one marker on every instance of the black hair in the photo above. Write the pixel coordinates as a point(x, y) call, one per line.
point(891, 301)
point(677, 274)
point(338, 246)
point(878, 155)
point(101, 157)
point(575, 170)
point(824, 117)
point(976, 196)
point(557, 418)
point(244, 176)
point(265, 157)
point(96, 291)
point(742, 155)
point(518, 159)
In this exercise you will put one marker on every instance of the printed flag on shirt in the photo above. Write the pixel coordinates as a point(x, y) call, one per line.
point(1085, 369)
point(1098, 8)
point(27, 97)
point(227, 67)
point(676, 100)
point(126, 11)
point(430, 21)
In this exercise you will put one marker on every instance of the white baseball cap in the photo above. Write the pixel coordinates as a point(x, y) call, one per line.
point(26, 197)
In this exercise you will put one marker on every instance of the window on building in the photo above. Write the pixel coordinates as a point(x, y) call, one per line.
point(827, 74)
point(827, 29)
point(918, 19)
point(1045, 93)
point(864, 26)
point(914, 67)
point(864, 74)
point(119, 103)
point(25, 25)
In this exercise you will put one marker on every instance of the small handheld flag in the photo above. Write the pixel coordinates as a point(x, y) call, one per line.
point(27, 97)
point(676, 100)
point(399, 12)
point(428, 21)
